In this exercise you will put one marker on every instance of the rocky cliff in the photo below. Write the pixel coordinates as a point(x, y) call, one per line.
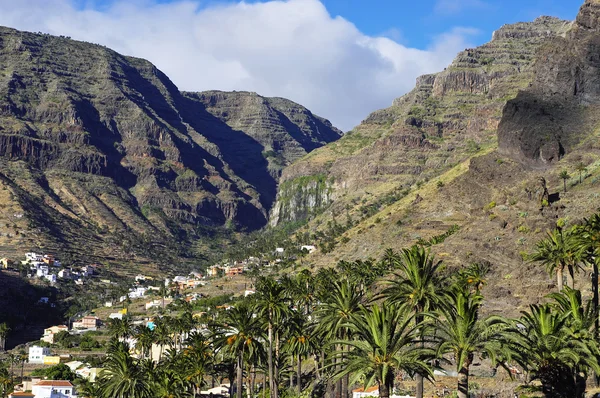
point(91, 140)
point(445, 119)
point(549, 118)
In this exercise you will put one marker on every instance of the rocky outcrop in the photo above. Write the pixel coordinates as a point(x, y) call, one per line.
point(547, 120)
point(444, 120)
point(112, 142)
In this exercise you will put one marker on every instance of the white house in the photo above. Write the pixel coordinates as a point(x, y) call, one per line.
point(34, 257)
point(64, 273)
point(137, 292)
point(309, 248)
point(53, 389)
point(279, 250)
point(51, 278)
point(42, 271)
point(37, 354)
point(116, 315)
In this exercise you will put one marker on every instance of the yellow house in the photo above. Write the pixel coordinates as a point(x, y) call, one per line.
point(5, 263)
point(51, 360)
point(123, 311)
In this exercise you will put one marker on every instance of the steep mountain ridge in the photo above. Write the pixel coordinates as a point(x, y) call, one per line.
point(95, 145)
point(549, 118)
point(447, 118)
point(496, 204)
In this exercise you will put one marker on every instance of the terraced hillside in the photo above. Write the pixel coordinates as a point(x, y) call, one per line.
point(103, 158)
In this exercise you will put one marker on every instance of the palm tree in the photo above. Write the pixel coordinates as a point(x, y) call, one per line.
point(271, 306)
point(122, 376)
point(144, 338)
point(581, 169)
point(383, 345)
point(587, 238)
point(564, 175)
point(163, 334)
point(4, 331)
point(557, 252)
point(463, 334)
point(6, 383)
point(239, 335)
point(120, 328)
point(416, 288)
point(301, 342)
point(335, 314)
point(543, 344)
point(197, 359)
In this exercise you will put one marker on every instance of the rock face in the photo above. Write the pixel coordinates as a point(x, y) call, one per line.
point(107, 140)
point(546, 120)
point(445, 119)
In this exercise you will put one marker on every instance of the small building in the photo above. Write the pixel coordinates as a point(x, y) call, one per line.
point(21, 394)
point(51, 331)
point(232, 271)
point(51, 360)
point(50, 278)
point(116, 315)
point(6, 263)
point(64, 273)
point(87, 322)
point(48, 259)
point(53, 389)
point(309, 248)
point(42, 271)
point(37, 354)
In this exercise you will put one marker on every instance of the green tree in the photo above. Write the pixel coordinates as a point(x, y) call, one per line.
point(272, 306)
point(463, 334)
point(587, 239)
point(120, 328)
point(144, 338)
point(580, 169)
point(557, 252)
point(383, 345)
point(239, 335)
point(4, 331)
point(542, 342)
point(341, 302)
point(564, 175)
point(416, 288)
point(122, 376)
point(6, 383)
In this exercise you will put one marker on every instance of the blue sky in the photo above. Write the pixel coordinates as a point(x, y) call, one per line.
point(340, 58)
point(416, 23)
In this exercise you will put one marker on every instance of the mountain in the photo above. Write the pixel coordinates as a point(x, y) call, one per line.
point(444, 120)
point(102, 157)
point(467, 163)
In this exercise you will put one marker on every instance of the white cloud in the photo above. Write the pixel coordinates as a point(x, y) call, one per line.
point(291, 49)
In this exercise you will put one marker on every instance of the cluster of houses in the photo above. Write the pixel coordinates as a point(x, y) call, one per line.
point(47, 266)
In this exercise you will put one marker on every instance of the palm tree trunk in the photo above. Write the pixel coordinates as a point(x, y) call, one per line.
point(299, 374)
point(559, 281)
point(252, 380)
point(463, 382)
point(276, 368)
point(270, 357)
point(595, 292)
point(419, 377)
point(570, 276)
point(240, 374)
point(384, 390)
point(565, 185)
point(317, 368)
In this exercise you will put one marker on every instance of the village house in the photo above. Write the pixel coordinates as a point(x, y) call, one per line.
point(34, 257)
point(309, 248)
point(138, 292)
point(6, 263)
point(50, 277)
point(214, 271)
point(87, 322)
point(53, 389)
point(232, 271)
point(48, 259)
point(37, 354)
point(64, 274)
point(42, 271)
point(51, 331)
